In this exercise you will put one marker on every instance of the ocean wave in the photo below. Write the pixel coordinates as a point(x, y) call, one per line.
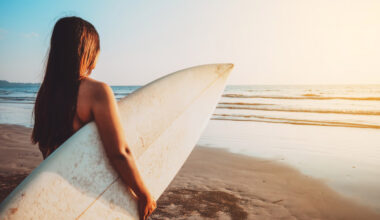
point(259, 118)
point(122, 93)
point(30, 91)
point(17, 99)
point(4, 92)
point(304, 96)
point(243, 103)
point(282, 109)
point(310, 95)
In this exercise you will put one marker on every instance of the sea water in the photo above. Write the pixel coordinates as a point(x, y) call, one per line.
point(17, 102)
point(328, 132)
point(324, 105)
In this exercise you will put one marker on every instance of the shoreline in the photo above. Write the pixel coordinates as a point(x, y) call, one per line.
point(213, 183)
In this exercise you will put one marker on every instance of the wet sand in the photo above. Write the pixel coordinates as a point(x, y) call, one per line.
point(212, 184)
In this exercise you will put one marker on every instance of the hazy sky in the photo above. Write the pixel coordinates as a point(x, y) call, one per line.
point(269, 41)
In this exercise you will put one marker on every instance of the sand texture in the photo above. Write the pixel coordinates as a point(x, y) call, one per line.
point(212, 184)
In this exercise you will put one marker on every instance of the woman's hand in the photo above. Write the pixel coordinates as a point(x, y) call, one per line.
point(146, 205)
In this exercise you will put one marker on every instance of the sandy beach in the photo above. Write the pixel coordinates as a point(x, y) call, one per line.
point(212, 184)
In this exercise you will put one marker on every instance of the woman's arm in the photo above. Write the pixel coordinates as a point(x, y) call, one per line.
point(107, 119)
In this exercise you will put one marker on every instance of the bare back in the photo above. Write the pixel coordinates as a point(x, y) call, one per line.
point(84, 113)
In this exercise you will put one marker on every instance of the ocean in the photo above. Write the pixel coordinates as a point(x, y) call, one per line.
point(323, 105)
point(328, 132)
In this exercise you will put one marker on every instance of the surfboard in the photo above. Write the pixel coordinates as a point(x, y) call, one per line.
point(162, 120)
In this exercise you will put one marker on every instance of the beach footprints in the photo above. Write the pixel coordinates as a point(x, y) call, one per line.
point(206, 204)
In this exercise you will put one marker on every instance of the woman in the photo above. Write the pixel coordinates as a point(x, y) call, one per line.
point(68, 99)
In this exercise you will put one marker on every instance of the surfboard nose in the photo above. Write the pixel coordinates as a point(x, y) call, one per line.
point(224, 68)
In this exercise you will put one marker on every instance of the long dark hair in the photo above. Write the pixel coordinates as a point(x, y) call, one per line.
point(74, 46)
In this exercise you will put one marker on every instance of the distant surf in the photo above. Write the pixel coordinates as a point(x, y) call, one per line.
point(305, 96)
point(323, 105)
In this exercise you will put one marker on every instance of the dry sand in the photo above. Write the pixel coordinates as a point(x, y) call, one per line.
point(213, 184)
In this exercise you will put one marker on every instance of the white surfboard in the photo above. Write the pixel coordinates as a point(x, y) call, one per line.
point(162, 122)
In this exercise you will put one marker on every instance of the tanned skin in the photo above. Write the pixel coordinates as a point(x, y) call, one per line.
point(96, 102)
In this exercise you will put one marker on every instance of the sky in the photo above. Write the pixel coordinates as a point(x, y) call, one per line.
point(269, 41)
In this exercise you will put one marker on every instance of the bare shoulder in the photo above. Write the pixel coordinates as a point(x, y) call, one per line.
point(97, 90)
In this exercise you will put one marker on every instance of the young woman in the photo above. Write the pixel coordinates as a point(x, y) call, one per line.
point(68, 99)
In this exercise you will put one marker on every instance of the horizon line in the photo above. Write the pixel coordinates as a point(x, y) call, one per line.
point(263, 84)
